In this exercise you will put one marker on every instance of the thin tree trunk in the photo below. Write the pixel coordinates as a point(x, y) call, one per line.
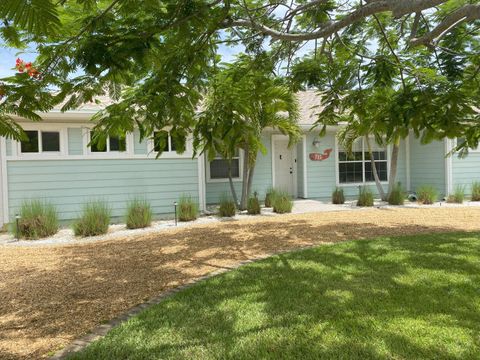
point(246, 160)
point(375, 172)
point(250, 180)
point(393, 166)
point(232, 187)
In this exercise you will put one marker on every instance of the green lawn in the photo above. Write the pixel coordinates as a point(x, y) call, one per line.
point(389, 298)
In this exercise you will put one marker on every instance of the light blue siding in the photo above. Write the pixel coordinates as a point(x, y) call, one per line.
point(70, 183)
point(466, 171)
point(140, 148)
point(262, 177)
point(427, 164)
point(75, 141)
point(8, 144)
point(321, 175)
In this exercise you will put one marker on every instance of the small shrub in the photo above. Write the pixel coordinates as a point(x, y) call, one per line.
point(397, 195)
point(38, 219)
point(458, 195)
point(476, 191)
point(283, 203)
point(365, 197)
point(270, 197)
point(139, 214)
point(427, 194)
point(253, 205)
point(94, 220)
point(187, 209)
point(227, 207)
point(338, 197)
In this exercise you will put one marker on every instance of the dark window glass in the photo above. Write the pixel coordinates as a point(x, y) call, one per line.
point(354, 156)
point(117, 143)
point(96, 147)
point(219, 169)
point(350, 172)
point(50, 141)
point(382, 171)
point(160, 141)
point(30, 145)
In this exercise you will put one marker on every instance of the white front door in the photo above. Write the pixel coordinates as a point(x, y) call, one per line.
point(284, 166)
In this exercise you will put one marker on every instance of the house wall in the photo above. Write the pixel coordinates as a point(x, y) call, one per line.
point(71, 180)
point(427, 164)
point(262, 177)
point(322, 175)
point(466, 170)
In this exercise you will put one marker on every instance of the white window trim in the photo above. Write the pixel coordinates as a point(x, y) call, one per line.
point(188, 154)
point(17, 145)
point(106, 154)
point(363, 183)
point(234, 179)
point(63, 127)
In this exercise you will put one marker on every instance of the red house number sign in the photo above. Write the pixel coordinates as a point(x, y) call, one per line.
point(321, 157)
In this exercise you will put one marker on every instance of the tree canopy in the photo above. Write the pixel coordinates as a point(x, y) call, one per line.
point(155, 57)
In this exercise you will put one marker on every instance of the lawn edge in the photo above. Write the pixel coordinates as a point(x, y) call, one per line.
point(102, 330)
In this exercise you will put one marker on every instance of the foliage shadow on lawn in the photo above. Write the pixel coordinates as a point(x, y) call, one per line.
point(407, 297)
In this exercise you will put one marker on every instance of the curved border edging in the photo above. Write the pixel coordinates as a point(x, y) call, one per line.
point(100, 331)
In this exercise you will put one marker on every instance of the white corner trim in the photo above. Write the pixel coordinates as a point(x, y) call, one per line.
point(4, 216)
point(305, 172)
point(201, 183)
point(448, 166)
point(272, 145)
point(407, 162)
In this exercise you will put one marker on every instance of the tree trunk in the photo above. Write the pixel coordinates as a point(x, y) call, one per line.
point(232, 187)
point(393, 166)
point(250, 180)
point(375, 172)
point(246, 160)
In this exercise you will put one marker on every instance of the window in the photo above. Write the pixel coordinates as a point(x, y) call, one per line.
point(219, 168)
point(357, 168)
point(113, 144)
point(41, 141)
point(163, 141)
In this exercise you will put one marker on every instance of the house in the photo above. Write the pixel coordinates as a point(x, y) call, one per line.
point(57, 164)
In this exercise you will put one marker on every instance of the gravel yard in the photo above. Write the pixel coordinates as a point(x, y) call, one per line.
point(51, 294)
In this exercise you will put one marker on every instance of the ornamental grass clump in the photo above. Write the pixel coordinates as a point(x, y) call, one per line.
point(397, 195)
point(94, 220)
point(365, 197)
point(458, 195)
point(338, 197)
point(476, 191)
point(139, 214)
point(253, 205)
point(38, 219)
point(227, 207)
point(283, 203)
point(270, 197)
point(187, 209)
point(427, 194)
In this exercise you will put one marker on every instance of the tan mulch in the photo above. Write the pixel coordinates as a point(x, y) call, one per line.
point(53, 294)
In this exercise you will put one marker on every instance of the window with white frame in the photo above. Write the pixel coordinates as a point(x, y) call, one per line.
point(113, 144)
point(162, 141)
point(219, 167)
point(38, 141)
point(356, 167)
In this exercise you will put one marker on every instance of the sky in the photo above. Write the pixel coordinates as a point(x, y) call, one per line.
point(8, 56)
